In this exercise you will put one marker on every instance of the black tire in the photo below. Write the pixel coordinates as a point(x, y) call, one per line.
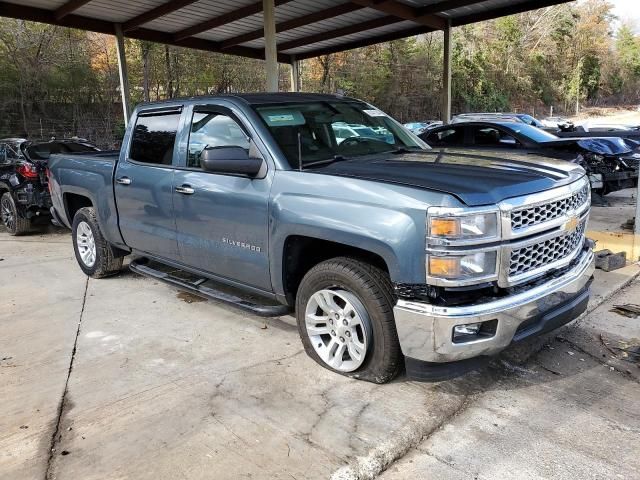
point(372, 286)
point(14, 223)
point(106, 262)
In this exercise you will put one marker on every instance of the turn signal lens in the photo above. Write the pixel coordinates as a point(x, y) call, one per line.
point(445, 227)
point(444, 267)
point(466, 267)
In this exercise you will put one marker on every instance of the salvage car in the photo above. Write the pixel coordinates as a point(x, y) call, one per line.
point(611, 163)
point(391, 254)
point(518, 117)
point(24, 194)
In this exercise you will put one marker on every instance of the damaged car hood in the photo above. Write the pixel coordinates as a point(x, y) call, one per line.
point(473, 178)
point(597, 145)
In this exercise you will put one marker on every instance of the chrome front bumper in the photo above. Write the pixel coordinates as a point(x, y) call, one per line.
point(426, 331)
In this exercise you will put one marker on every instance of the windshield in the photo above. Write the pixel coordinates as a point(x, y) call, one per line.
point(534, 133)
point(329, 130)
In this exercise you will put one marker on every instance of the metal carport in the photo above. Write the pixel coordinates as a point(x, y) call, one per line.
point(275, 30)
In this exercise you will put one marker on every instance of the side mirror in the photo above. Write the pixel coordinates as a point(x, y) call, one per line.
point(230, 159)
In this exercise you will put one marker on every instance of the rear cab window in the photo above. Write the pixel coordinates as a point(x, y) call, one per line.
point(154, 137)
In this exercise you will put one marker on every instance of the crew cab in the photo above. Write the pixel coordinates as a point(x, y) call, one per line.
point(390, 254)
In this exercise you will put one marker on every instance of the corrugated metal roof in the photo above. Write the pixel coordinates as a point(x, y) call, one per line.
point(305, 27)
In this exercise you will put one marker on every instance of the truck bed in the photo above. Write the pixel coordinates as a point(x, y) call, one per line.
point(87, 175)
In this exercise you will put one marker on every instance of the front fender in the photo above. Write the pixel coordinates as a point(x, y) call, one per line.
point(394, 231)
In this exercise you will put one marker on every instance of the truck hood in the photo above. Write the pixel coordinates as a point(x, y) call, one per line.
point(597, 145)
point(473, 178)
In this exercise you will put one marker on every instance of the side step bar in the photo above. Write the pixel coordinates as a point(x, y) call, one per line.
point(197, 285)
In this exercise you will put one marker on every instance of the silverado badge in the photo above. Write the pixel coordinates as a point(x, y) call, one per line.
point(571, 224)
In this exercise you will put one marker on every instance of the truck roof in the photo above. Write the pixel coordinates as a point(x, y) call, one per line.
point(258, 98)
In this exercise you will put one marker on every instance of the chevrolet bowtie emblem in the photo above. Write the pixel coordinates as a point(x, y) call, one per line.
point(571, 224)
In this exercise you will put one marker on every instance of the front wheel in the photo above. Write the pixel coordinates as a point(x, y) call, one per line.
point(344, 311)
point(93, 253)
point(14, 223)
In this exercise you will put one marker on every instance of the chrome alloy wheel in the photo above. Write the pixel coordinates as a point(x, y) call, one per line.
point(86, 244)
point(339, 328)
point(7, 215)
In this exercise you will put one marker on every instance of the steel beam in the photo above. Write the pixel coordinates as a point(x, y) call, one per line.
point(223, 19)
point(387, 37)
point(405, 12)
point(67, 8)
point(295, 75)
point(293, 23)
point(339, 32)
point(270, 47)
point(154, 13)
point(510, 9)
point(123, 73)
point(446, 75)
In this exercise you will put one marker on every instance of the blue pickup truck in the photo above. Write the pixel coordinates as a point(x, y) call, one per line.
point(391, 254)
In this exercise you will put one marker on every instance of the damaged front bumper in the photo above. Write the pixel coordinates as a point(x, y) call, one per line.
point(426, 331)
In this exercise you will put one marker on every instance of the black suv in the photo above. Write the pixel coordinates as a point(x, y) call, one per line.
point(24, 193)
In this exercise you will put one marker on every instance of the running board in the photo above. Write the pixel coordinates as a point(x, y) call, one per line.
point(198, 285)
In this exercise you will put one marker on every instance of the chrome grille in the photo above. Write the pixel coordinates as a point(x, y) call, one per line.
point(532, 257)
point(527, 217)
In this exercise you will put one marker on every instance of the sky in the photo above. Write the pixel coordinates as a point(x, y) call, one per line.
point(628, 11)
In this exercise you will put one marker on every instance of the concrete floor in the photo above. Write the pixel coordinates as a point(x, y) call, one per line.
point(572, 411)
point(125, 378)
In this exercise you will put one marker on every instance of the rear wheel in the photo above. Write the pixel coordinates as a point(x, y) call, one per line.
point(93, 253)
point(344, 310)
point(15, 224)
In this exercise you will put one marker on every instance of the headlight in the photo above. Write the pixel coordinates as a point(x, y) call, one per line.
point(479, 226)
point(464, 267)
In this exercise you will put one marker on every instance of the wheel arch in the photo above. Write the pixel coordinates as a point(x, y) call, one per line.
point(74, 202)
point(300, 253)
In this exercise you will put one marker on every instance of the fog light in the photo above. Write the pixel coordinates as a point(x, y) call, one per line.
point(468, 329)
point(474, 331)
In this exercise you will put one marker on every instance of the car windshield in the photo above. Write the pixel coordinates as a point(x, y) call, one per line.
point(312, 132)
point(534, 133)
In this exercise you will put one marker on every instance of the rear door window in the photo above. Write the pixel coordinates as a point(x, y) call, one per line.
point(154, 137)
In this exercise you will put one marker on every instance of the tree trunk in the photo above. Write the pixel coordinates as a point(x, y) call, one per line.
point(145, 48)
point(167, 60)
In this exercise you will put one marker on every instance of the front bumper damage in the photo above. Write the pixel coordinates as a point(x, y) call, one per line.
point(426, 331)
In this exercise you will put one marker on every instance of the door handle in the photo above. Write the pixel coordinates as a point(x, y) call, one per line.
point(124, 181)
point(185, 190)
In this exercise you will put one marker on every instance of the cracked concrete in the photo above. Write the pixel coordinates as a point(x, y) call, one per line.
point(65, 402)
point(163, 387)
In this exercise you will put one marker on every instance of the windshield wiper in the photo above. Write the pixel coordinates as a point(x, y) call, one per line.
point(327, 161)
